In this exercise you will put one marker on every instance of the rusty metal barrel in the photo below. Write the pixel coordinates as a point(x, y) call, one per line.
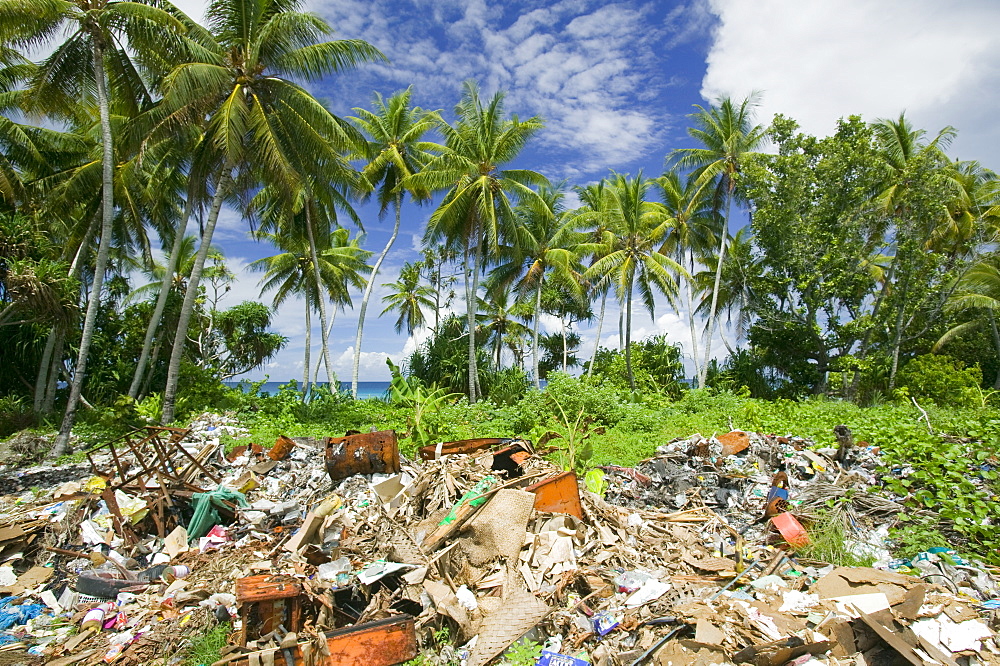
point(364, 453)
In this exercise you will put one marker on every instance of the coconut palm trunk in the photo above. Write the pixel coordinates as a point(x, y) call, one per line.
point(103, 251)
point(326, 336)
point(305, 361)
point(471, 287)
point(628, 336)
point(187, 308)
point(161, 300)
point(689, 297)
point(42, 380)
point(565, 363)
point(320, 301)
point(534, 345)
point(368, 292)
point(597, 340)
point(703, 371)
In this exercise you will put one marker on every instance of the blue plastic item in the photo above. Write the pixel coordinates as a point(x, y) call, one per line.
point(13, 616)
point(555, 659)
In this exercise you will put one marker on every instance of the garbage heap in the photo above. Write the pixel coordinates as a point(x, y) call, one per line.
point(341, 551)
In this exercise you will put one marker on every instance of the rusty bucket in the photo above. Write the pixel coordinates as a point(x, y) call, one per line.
point(364, 453)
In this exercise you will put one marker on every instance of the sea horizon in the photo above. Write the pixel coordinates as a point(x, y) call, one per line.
point(366, 389)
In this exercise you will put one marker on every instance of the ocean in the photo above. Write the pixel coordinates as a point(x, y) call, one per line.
point(365, 389)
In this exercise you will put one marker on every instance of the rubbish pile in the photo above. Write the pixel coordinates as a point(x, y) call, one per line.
point(342, 551)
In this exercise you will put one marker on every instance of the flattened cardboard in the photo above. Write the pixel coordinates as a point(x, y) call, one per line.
point(844, 582)
point(29, 580)
point(707, 633)
point(910, 608)
point(894, 639)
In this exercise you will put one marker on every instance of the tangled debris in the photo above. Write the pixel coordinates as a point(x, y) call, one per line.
point(341, 551)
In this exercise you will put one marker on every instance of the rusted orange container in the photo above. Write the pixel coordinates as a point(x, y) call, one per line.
point(384, 642)
point(364, 453)
point(379, 643)
point(558, 494)
point(267, 603)
point(282, 447)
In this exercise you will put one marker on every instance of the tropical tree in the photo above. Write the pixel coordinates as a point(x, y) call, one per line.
point(261, 126)
point(542, 251)
point(978, 290)
point(499, 318)
point(478, 209)
point(692, 235)
point(594, 201)
point(730, 137)
point(408, 297)
point(78, 71)
point(631, 258)
point(916, 188)
point(433, 264)
point(395, 150)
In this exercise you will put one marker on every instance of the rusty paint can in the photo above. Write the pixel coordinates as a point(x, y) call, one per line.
point(364, 453)
point(282, 447)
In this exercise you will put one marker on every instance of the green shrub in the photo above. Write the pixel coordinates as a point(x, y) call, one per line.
point(656, 367)
point(941, 379)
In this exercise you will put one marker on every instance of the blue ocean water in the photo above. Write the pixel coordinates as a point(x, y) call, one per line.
point(365, 389)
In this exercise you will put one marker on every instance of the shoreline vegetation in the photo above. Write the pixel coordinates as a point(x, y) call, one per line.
point(863, 290)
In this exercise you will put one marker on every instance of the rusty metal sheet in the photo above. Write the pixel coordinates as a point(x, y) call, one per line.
point(558, 494)
point(463, 446)
point(364, 453)
point(733, 442)
point(509, 460)
point(379, 643)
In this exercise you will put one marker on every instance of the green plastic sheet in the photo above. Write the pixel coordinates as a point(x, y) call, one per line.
point(206, 509)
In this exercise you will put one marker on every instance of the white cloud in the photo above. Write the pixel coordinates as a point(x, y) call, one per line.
point(819, 61)
point(589, 69)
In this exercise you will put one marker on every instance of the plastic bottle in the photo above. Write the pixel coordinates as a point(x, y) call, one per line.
point(170, 574)
point(94, 619)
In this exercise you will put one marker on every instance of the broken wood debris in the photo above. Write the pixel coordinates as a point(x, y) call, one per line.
point(669, 562)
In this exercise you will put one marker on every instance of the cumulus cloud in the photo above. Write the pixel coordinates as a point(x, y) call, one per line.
point(819, 61)
point(593, 71)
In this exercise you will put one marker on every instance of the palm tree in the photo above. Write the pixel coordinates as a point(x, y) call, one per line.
point(309, 214)
point(730, 137)
point(261, 126)
point(499, 316)
point(408, 297)
point(594, 201)
point(478, 209)
point(341, 263)
point(903, 150)
point(394, 151)
point(543, 249)
point(631, 258)
point(78, 71)
point(736, 287)
point(979, 289)
point(692, 235)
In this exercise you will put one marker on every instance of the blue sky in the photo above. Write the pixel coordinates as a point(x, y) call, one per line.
point(614, 83)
